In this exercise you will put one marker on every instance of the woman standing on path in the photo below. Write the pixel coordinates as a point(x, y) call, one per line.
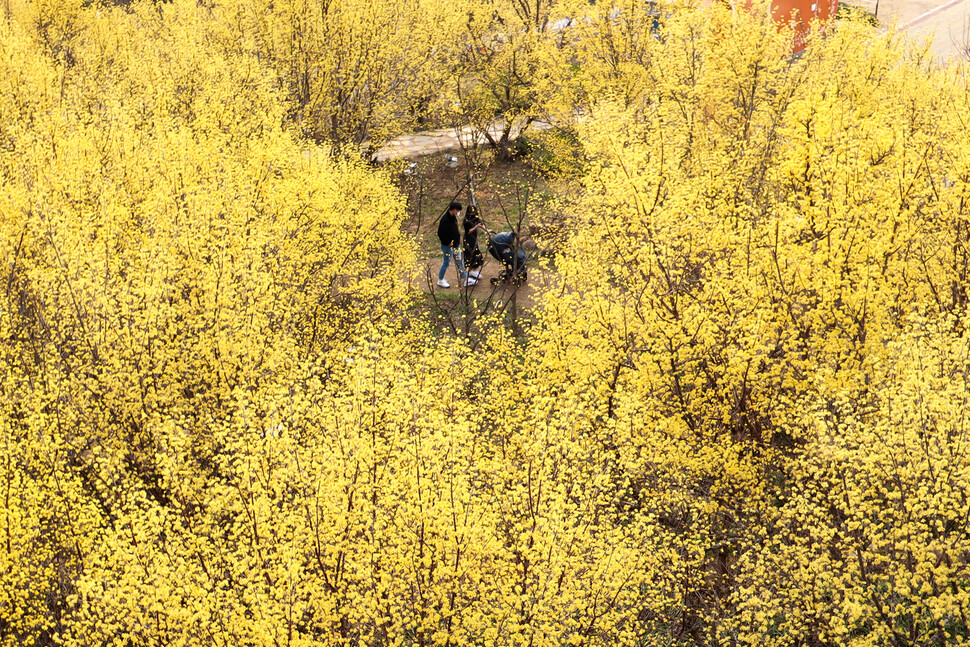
point(474, 260)
point(450, 241)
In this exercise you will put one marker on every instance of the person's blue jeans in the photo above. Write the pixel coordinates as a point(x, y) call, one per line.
point(448, 252)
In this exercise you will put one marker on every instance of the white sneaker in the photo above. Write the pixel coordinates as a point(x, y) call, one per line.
point(474, 274)
point(471, 281)
point(443, 283)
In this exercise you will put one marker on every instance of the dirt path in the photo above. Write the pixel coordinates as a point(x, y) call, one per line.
point(539, 281)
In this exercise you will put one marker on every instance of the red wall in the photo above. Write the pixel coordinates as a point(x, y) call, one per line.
point(801, 13)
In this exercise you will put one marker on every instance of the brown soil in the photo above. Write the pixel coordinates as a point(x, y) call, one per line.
point(540, 280)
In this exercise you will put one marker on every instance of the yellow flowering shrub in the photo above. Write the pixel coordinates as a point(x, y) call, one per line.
point(869, 548)
point(756, 234)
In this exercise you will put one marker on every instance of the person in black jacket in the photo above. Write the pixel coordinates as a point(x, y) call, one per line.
point(450, 244)
point(472, 255)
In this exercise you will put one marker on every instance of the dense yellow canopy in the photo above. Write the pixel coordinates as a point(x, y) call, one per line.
point(739, 419)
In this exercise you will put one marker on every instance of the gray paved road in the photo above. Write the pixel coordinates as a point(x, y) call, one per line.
point(946, 22)
point(949, 27)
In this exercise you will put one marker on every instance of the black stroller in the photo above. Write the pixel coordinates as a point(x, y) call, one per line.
point(504, 248)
